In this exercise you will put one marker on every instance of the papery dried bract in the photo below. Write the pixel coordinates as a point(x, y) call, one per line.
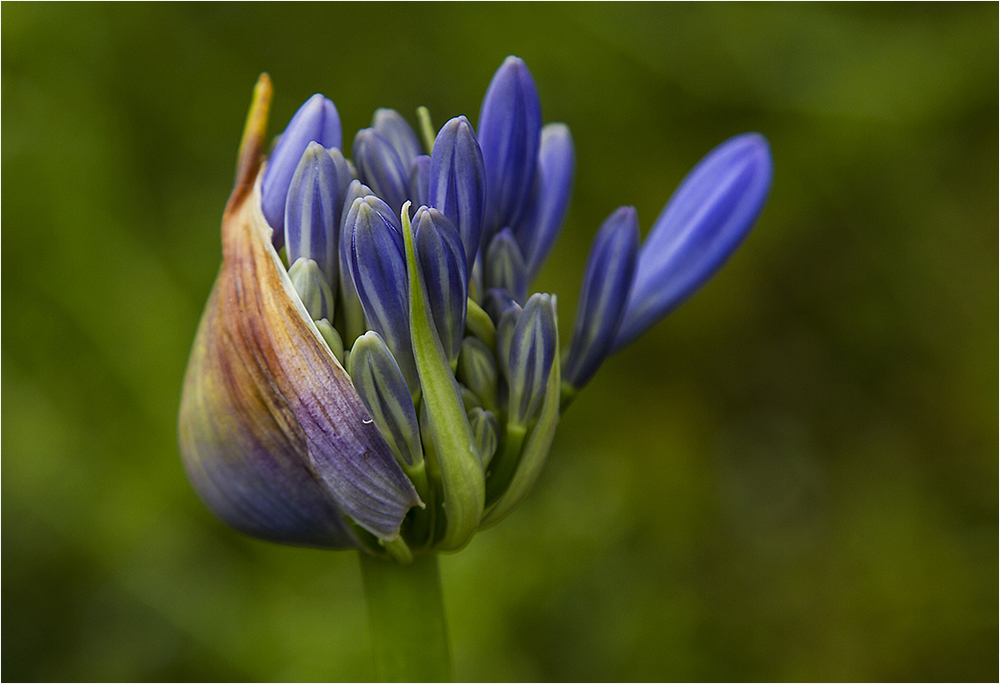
point(271, 431)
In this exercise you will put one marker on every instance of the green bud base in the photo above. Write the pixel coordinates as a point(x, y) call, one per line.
point(406, 613)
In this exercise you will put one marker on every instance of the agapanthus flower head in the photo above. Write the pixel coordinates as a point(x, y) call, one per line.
point(372, 370)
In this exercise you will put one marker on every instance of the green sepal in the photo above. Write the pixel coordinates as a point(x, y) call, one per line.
point(455, 445)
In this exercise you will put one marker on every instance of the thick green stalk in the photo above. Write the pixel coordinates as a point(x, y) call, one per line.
point(406, 613)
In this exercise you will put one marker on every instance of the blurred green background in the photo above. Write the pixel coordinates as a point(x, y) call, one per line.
point(794, 477)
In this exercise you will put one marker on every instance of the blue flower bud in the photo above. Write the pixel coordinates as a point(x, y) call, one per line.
point(381, 168)
point(496, 302)
point(504, 265)
point(355, 190)
point(485, 428)
point(457, 183)
point(505, 311)
point(354, 315)
point(477, 370)
point(385, 394)
point(606, 285)
point(441, 259)
point(703, 223)
point(420, 176)
point(510, 123)
point(312, 211)
point(532, 348)
point(345, 175)
point(312, 287)
point(391, 125)
point(317, 120)
point(378, 266)
point(556, 166)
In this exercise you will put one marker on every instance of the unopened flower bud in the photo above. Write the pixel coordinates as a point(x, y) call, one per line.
point(312, 211)
point(484, 427)
point(391, 125)
point(532, 348)
point(510, 124)
point(383, 390)
point(420, 170)
point(315, 121)
point(477, 369)
point(312, 287)
point(504, 268)
point(332, 339)
point(606, 284)
point(378, 266)
point(556, 166)
point(457, 184)
point(700, 227)
point(380, 167)
point(441, 259)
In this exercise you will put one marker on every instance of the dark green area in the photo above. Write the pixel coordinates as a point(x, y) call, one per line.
point(794, 477)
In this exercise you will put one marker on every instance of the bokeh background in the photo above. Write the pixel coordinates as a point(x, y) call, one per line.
point(793, 477)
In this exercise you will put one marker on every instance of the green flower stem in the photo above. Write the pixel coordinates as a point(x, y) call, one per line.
point(406, 613)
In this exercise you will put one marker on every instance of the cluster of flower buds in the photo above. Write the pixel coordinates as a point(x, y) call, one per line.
point(371, 371)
